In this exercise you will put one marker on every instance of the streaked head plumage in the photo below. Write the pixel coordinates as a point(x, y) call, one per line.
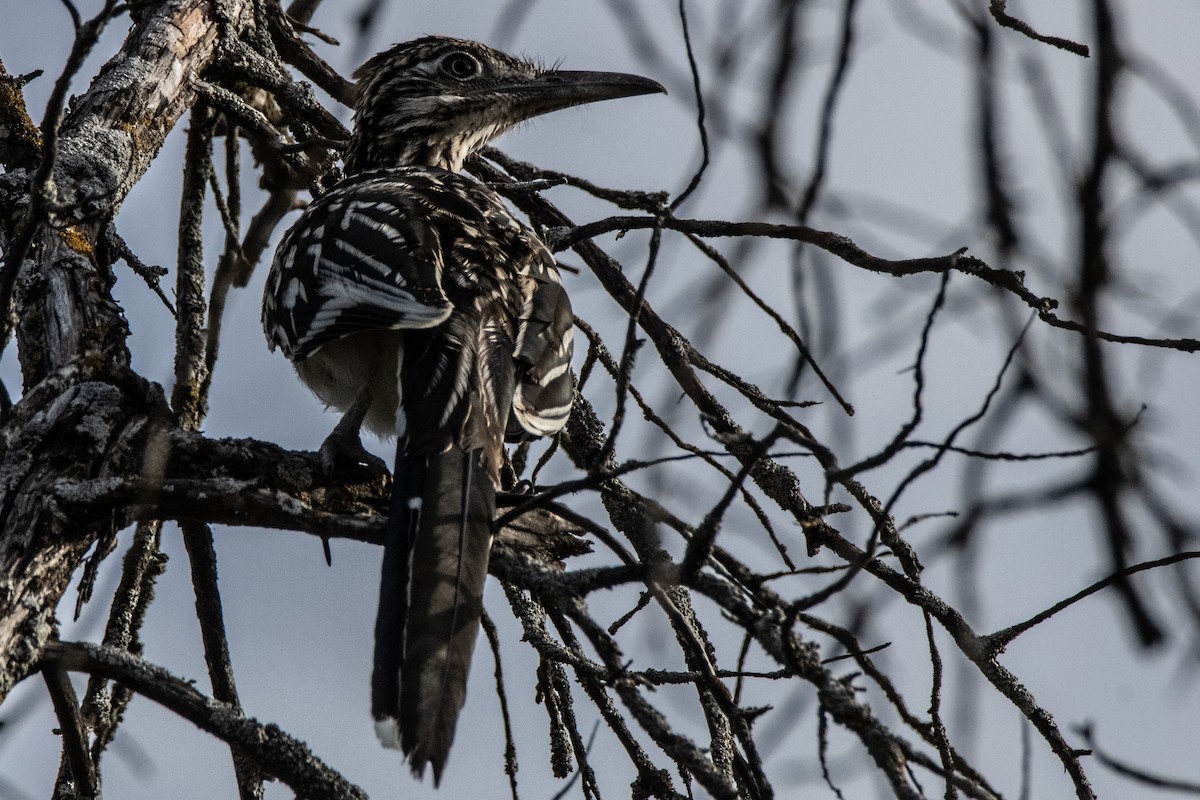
point(434, 101)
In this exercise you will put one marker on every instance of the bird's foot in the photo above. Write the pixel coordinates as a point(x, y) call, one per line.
point(343, 455)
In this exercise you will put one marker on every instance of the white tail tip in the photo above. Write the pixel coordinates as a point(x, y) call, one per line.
point(388, 732)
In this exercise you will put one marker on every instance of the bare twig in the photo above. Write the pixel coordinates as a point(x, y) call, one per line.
point(280, 755)
point(997, 7)
point(75, 749)
point(998, 641)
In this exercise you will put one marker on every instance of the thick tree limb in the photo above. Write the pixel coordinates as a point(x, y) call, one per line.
point(70, 331)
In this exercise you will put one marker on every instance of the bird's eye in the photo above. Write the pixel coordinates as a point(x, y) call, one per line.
point(460, 65)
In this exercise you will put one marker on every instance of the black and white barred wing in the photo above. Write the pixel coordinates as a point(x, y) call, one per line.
point(359, 258)
point(544, 388)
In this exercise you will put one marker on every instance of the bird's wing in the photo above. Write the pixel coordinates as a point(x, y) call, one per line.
point(545, 331)
point(361, 257)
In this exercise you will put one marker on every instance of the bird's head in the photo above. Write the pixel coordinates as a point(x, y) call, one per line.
point(437, 100)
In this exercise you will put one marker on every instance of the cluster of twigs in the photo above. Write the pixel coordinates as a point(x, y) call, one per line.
point(152, 463)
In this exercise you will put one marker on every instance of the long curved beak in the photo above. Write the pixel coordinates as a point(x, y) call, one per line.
point(551, 91)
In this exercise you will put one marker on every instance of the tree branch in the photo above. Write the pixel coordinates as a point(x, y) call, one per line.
point(276, 753)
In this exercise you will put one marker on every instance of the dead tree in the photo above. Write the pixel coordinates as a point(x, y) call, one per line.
point(89, 447)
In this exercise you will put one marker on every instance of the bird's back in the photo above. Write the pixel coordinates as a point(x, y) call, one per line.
point(420, 250)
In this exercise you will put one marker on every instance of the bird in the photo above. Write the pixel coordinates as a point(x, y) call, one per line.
point(409, 297)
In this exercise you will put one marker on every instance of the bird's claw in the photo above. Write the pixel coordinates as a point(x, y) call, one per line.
point(345, 457)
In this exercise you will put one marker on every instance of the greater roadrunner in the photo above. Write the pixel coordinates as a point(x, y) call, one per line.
point(409, 297)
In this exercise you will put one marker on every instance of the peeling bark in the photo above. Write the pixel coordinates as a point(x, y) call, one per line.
point(83, 415)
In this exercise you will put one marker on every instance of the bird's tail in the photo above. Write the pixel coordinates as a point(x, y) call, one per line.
point(440, 523)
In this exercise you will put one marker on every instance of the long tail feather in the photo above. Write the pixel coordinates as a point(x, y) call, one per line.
point(445, 601)
point(408, 490)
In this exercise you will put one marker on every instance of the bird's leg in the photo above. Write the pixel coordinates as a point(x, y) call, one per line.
point(342, 452)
